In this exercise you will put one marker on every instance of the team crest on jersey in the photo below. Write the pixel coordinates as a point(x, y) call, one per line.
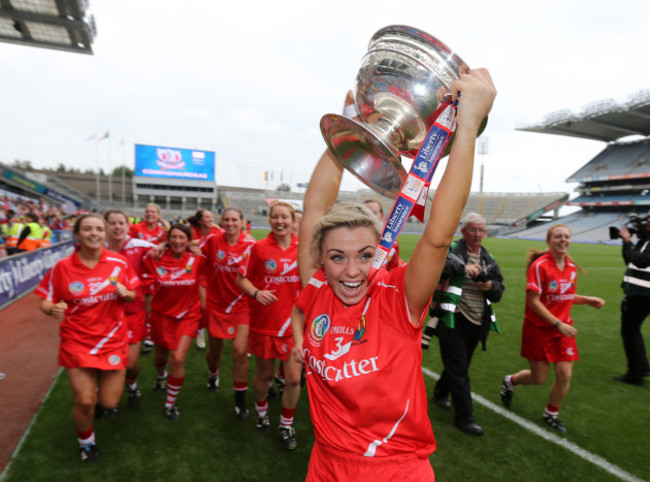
point(270, 265)
point(161, 271)
point(220, 254)
point(552, 286)
point(361, 329)
point(76, 287)
point(188, 268)
point(319, 327)
point(114, 360)
point(112, 280)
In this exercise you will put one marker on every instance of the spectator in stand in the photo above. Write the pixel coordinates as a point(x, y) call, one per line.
point(270, 277)
point(87, 291)
point(134, 250)
point(46, 240)
point(296, 221)
point(32, 234)
point(175, 310)
point(227, 311)
point(548, 334)
point(392, 260)
point(11, 231)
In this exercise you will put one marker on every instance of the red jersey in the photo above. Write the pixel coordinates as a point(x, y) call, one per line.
point(174, 283)
point(196, 234)
point(94, 321)
point(134, 250)
point(363, 366)
point(557, 289)
point(223, 294)
point(141, 231)
point(269, 267)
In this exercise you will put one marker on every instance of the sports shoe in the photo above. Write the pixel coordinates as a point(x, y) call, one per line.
point(638, 381)
point(272, 394)
point(89, 453)
point(441, 402)
point(263, 425)
point(200, 340)
point(112, 413)
point(161, 384)
point(280, 383)
point(134, 397)
point(213, 384)
point(242, 413)
point(172, 413)
point(288, 437)
point(146, 348)
point(506, 393)
point(555, 423)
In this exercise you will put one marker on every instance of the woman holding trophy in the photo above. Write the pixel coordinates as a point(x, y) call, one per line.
point(358, 331)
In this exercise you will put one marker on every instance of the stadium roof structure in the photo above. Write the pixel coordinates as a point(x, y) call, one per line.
point(604, 120)
point(55, 24)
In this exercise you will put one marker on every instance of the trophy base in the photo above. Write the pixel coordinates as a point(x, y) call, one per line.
point(361, 151)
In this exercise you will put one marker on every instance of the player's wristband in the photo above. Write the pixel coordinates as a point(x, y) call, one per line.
point(255, 294)
point(557, 323)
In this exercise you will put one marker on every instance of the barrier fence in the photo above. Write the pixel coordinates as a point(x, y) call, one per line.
point(21, 273)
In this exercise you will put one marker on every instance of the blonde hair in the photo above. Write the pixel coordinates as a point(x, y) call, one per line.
point(285, 204)
point(343, 215)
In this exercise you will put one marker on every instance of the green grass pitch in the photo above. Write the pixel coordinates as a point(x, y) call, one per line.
point(605, 418)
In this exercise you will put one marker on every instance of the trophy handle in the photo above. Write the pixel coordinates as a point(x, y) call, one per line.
point(359, 148)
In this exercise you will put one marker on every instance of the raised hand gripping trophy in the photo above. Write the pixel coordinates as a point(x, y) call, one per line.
point(404, 81)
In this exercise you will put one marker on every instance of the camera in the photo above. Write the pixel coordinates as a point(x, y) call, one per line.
point(635, 225)
point(482, 277)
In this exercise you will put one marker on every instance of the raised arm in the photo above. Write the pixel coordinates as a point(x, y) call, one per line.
point(428, 258)
point(320, 196)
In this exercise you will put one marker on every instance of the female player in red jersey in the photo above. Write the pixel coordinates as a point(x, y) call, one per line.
point(202, 224)
point(548, 334)
point(175, 309)
point(87, 291)
point(359, 337)
point(227, 311)
point(134, 250)
point(270, 277)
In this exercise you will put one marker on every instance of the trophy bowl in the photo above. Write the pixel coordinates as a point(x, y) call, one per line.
point(404, 78)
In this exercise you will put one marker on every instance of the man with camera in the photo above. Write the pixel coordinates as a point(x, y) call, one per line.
point(471, 280)
point(635, 306)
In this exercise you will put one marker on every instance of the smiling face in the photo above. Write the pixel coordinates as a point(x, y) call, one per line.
point(231, 222)
point(118, 226)
point(347, 255)
point(280, 220)
point(558, 240)
point(151, 214)
point(91, 233)
point(178, 242)
point(206, 220)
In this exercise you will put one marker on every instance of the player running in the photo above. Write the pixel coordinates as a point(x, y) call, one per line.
point(270, 277)
point(227, 310)
point(134, 250)
point(175, 310)
point(87, 291)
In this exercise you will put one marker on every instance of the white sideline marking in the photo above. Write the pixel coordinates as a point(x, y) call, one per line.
point(546, 435)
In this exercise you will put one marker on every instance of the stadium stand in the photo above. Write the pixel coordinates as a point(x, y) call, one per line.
point(615, 184)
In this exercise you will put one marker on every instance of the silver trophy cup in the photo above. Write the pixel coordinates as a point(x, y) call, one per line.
point(405, 76)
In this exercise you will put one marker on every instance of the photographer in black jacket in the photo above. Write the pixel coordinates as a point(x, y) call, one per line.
point(635, 306)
